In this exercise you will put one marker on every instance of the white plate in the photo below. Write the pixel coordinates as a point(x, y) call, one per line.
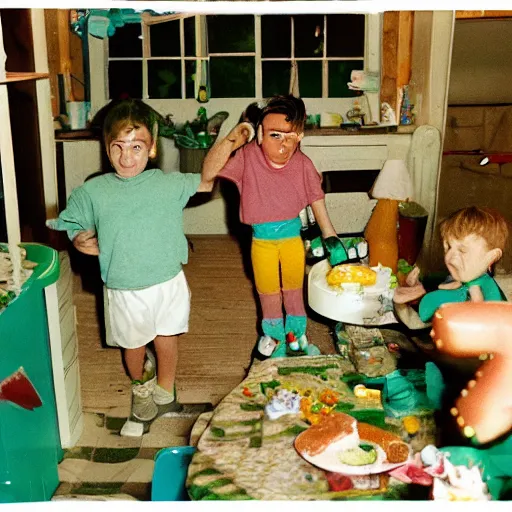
point(329, 460)
point(349, 306)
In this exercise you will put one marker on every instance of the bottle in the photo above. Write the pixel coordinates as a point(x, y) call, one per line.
point(202, 95)
point(304, 232)
point(315, 235)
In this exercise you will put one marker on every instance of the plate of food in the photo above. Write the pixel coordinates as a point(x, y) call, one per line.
point(341, 444)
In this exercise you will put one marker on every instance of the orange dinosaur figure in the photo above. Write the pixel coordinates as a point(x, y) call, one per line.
point(483, 410)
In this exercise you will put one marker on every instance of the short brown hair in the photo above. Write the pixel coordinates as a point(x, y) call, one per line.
point(474, 220)
point(293, 108)
point(129, 114)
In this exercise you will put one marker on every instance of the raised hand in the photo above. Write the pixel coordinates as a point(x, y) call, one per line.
point(241, 134)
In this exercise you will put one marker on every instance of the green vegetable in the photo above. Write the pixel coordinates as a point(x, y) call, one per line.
point(358, 456)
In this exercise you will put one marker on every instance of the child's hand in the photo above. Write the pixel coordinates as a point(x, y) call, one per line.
point(336, 250)
point(87, 243)
point(241, 134)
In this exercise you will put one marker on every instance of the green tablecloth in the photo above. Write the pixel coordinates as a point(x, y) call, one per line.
point(242, 454)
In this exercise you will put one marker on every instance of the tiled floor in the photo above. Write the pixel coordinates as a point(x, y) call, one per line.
point(104, 465)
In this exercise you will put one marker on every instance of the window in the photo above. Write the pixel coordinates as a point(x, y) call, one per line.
point(239, 56)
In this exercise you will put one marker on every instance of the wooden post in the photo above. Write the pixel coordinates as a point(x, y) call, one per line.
point(397, 36)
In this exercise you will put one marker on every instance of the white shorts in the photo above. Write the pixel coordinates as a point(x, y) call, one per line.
point(133, 318)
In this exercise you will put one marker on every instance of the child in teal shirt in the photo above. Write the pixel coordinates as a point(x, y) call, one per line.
point(132, 219)
point(473, 239)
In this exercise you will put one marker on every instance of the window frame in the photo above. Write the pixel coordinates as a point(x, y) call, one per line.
point(371, 58)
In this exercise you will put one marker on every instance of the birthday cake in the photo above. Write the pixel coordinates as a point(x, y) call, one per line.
point(355, 294)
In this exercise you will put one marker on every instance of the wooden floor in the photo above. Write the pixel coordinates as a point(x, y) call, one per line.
point(216, 352)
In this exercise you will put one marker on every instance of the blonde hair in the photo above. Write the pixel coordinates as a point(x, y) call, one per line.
point(474, 220)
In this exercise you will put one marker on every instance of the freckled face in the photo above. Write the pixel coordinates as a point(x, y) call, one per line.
point(468, 258)
point(130, 150)
point(279, 140)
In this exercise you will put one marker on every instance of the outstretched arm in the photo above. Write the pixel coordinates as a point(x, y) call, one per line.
point(219, 154)
point(322, 218)
point(337, 253)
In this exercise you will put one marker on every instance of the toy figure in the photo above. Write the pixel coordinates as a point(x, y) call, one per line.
point(276, 181)
point(483, 410)
point(473, 239)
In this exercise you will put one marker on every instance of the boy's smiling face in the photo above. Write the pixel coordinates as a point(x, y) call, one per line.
point(130, 150)
point(468, 258)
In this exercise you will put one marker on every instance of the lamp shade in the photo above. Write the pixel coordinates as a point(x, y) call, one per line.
point(393, 182)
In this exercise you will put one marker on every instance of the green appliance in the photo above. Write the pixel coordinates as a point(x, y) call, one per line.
point(30, 448)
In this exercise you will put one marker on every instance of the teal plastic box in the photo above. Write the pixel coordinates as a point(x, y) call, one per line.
point(30, 449)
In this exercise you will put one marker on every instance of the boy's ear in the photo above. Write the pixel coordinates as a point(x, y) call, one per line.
point(300, 137)
point(152, 151)
point(260, 134)
point(494, 255)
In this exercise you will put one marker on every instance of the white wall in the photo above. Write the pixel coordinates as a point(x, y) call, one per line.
point(481, 62)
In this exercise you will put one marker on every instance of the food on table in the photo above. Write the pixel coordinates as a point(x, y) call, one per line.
point(358, 456)
point(411, 424)
point(351, 274)
point(336, 428)
point(329, 397)
point(396, 450)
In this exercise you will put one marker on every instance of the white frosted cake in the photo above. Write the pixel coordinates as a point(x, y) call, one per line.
point(352, 302)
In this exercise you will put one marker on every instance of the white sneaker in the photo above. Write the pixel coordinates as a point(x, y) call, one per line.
point(143, 406)
point(303, 343)
point(161, 396)
point(266, 346)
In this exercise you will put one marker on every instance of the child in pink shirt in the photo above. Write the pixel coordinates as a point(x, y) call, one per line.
point(276, 181)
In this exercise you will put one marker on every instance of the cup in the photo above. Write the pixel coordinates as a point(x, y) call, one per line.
point(77, 114)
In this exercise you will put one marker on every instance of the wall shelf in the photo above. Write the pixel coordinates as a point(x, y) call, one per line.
point(21, 77)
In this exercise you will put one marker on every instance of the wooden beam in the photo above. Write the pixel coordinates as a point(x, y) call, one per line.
point(397, 37)
point(389, 67)
point(464, 15)
point(404, 49)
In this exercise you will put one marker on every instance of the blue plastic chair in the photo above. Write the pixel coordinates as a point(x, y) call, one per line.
point(170, 473)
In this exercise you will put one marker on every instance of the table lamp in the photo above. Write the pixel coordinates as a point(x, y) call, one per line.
point(393, 184)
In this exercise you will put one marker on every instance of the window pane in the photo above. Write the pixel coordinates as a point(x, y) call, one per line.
point(309, 35)
point(232, 77)
point(276, 36)
point(125, 78)
point(190, 75)
point(190, 37)
point(230, 34)
point(345, 35)
point(164, 79)
point(126, 42)
point(165, 39)
point(275, 78)
point(339, 76)
point(310, 79)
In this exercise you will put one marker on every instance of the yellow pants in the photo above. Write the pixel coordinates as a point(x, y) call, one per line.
point(268, 255)
point(279, 265)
